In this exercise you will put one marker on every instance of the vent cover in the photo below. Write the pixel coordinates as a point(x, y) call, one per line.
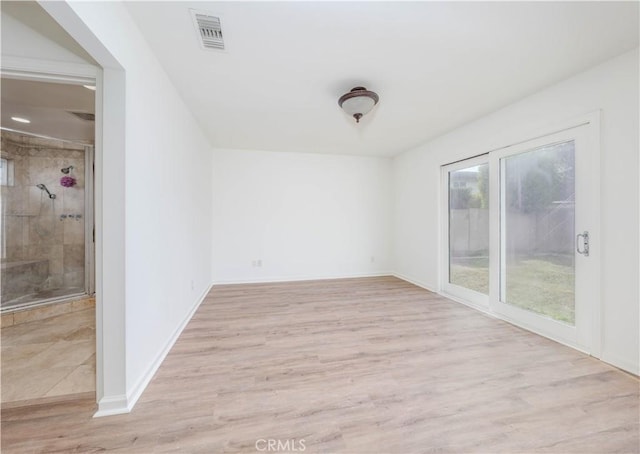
point(84, 115)
point(209, 30)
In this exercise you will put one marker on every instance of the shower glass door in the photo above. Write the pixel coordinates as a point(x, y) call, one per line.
point(44, 254)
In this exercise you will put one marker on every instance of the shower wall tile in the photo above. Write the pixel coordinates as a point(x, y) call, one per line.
point(14, 199)
point(45, 231)
point(44, 170)
point(73, 257)
point(74, 231)
point(74, 279)
point(14, 229)
point(16, 253)
point(55, 281)
point(20, 171)
point(24, 277)
point(37, 201)
point(39, 233)
point(73, 199)
point(56, 264)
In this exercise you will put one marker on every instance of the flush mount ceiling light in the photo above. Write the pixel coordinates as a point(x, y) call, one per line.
point(358, 102)
point(20, 120)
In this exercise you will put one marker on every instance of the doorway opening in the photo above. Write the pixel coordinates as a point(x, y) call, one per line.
point(47, 302)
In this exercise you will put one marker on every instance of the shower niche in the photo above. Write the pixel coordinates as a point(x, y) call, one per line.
point(46, 222)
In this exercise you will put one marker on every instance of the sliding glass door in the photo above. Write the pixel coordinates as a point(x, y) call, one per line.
point(466, 263)
point(545, 221)
point(520, 229)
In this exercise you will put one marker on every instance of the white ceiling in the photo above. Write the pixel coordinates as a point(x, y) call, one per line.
point(28, 31)
point(47, 105)
point(435, 65)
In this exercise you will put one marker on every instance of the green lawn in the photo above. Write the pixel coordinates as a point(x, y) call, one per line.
point(474, 274)
point(543, 285)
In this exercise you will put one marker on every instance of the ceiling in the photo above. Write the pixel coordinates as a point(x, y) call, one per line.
point(48, 107)
point(28, 31)
point(435, 65)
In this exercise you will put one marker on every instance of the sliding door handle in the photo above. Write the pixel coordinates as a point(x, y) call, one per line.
point(585, 243)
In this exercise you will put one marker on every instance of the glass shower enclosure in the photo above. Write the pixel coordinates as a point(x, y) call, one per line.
point(46, 225)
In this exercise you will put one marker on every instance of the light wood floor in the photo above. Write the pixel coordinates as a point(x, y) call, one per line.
point(371, 365)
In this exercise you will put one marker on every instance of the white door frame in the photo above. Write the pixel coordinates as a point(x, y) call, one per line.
point(39, 70)
point(110, 205)
point(90, 224)
point(581, 336)
point(464, 295)
point(591, 123)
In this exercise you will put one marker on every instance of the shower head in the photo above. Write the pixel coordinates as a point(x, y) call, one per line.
point(42, 187)
point(66, 170)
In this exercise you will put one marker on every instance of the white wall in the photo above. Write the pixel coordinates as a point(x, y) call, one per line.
point(28, 32)
point(306, 216)
point(611, 87)
point(164, 183)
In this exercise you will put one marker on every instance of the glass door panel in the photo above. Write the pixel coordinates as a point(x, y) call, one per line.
point(543, 202)
point(467, 230)
point(538, 221)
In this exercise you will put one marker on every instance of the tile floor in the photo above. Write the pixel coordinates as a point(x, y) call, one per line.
point(47, 354)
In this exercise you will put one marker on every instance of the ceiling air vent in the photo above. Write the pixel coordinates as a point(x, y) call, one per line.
point(84, 115)
point(209, 29)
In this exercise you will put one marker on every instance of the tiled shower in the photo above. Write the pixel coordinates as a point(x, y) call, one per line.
point(43, 224)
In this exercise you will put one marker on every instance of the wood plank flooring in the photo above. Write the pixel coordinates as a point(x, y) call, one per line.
point(372, 365)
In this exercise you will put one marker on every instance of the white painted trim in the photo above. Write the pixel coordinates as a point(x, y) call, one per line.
point(297, 278)
point(416, 282)
point(112, 405)
point(89, 220)
point(583, 130)
point(592, 122)
point(513, 322)
point(612, 360)
point(110, 150)
point(621, 363)
point(476, 299)
point(136, 390)
point(48, 70)
point(479, 308)
point(595, 140)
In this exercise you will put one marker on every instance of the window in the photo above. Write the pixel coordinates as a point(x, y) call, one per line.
point(6, 172)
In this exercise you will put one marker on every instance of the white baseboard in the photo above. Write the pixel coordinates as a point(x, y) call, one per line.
point(116, 405)
point(621, 363)
point(297, 278)
point(112, 405)
point(430, 287)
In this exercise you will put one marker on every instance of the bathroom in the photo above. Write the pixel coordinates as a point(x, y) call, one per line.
point(43, 220)
point(47, 304)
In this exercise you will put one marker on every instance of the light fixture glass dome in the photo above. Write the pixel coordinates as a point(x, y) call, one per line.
point(358, 102)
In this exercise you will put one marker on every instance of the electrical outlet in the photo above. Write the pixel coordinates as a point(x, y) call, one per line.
point(193, 285)
point(373, 259)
